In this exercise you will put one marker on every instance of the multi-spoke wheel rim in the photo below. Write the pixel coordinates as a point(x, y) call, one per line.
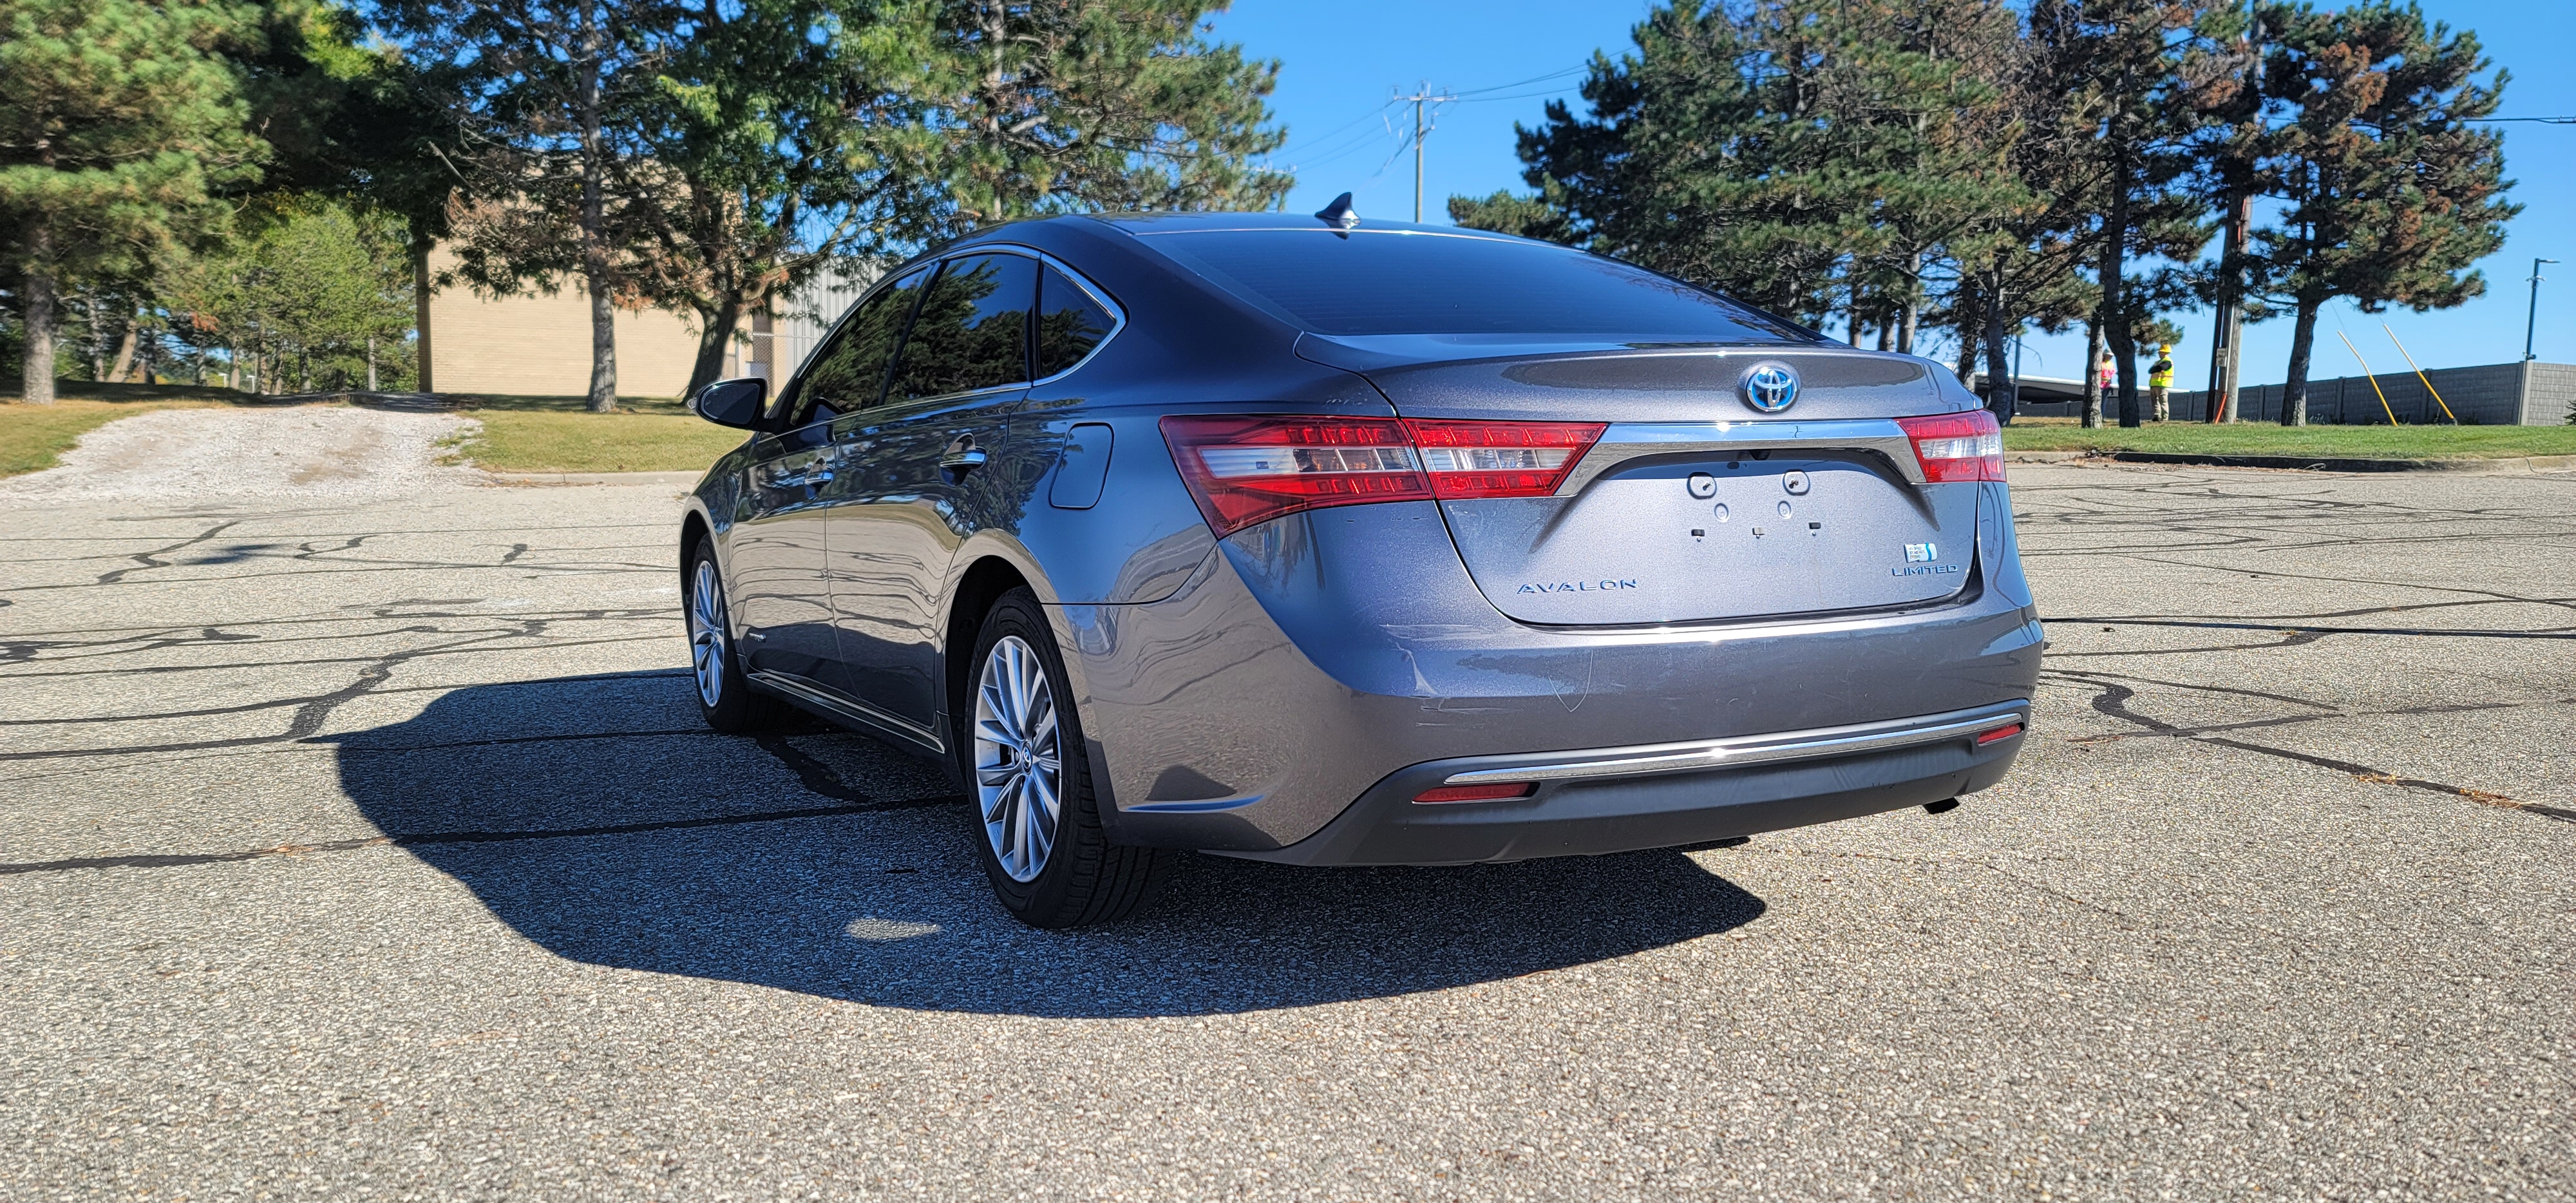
point(707, 632)
point(1019, 771)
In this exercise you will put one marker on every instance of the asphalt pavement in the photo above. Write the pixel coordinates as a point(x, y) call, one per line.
point(372, 849)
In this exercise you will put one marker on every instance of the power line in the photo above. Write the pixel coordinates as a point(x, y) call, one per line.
point(1336, 144)
point(1576, 69)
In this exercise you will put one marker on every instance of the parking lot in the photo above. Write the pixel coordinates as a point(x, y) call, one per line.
point(367, 845)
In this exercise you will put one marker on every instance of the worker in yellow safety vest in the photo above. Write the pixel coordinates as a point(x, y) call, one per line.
point(2160, 382)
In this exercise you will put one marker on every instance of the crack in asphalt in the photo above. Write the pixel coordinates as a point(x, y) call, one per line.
point(2113, 699)
point(152, 558)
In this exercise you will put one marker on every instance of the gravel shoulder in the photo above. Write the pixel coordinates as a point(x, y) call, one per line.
point(310, 452)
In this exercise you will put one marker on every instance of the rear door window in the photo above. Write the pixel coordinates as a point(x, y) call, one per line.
point(1070, 323)
point(848, 373)
point(971, 331)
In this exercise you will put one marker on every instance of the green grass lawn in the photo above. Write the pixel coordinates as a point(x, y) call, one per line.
point(560, 434)
point(2265, 438)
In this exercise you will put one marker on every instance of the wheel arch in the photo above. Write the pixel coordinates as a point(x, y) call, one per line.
point(694, 530)
point(982, 584)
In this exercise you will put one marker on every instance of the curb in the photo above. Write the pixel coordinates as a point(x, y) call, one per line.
point(541, 479)
point(2503, 466)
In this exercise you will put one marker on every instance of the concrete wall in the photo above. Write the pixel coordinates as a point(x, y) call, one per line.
point(2488, 395)
point(2550, 398)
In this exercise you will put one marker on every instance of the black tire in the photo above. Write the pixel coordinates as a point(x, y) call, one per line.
point(1083, 878)
point(727, 699)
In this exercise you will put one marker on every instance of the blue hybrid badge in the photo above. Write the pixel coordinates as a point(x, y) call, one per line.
point(1770, 387)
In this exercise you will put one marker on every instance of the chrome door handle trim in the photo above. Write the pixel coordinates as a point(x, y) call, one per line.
point(960, 461)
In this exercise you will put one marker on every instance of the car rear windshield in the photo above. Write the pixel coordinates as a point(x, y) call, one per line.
point(1390, 282)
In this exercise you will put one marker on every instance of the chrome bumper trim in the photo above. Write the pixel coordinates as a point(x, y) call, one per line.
point(1627, 441)
point(1757, 749)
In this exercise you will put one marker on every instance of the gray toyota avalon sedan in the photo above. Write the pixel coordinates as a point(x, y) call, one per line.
point(1333, 542)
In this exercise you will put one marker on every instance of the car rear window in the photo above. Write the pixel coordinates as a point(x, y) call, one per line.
point(1390, 282)
point(971, 332)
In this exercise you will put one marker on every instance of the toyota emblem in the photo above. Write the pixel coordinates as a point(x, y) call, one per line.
point(1770, 387)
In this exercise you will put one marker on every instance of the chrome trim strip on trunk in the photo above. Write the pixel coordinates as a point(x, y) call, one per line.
point(1630, 440)
point(840, 705)
point(1757, 749)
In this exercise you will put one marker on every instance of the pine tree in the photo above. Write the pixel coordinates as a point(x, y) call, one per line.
point(2387, 195)
point(752, 189)
point(1811, 156)
point(2129, 67)
point(120, 124)
point(1022, 108)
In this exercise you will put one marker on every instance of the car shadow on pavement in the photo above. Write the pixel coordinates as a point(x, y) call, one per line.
point(876, 895)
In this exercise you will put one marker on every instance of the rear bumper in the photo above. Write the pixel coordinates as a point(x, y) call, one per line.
point(1318, 665)
point(1604, 810)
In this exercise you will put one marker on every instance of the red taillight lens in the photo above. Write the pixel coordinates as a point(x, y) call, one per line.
point(1497, 792)
point(1248, 469)
point(1963, 446)
point(1998, 735)
point(1500, 459)
point(1244, 470)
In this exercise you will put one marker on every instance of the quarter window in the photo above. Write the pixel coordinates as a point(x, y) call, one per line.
point(1070, 323)
point(971, 331)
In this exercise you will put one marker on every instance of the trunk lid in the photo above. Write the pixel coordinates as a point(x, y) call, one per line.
point(1693, 506)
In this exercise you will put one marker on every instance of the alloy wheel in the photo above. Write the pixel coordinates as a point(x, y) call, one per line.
point(707, 633)
point(1019, 769)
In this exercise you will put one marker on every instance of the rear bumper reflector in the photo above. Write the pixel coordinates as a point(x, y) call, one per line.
point(1816, 744)
point(1499, 791)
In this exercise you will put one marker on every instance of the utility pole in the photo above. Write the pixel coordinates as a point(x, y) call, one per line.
point(2531, 322)
point(1418, 99)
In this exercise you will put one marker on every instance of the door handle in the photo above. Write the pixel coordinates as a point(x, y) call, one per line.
point(962, 455)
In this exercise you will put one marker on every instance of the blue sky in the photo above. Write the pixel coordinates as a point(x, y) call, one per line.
point(1341, 60)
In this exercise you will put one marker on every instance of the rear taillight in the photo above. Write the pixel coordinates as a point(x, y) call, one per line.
point(1961, 446)
point(1500, 459)
point(1248, 469)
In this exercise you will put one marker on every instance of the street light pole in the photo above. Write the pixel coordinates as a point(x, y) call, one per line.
point(2531, 322)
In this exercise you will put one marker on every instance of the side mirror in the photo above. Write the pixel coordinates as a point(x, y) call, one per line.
point(734, 403)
